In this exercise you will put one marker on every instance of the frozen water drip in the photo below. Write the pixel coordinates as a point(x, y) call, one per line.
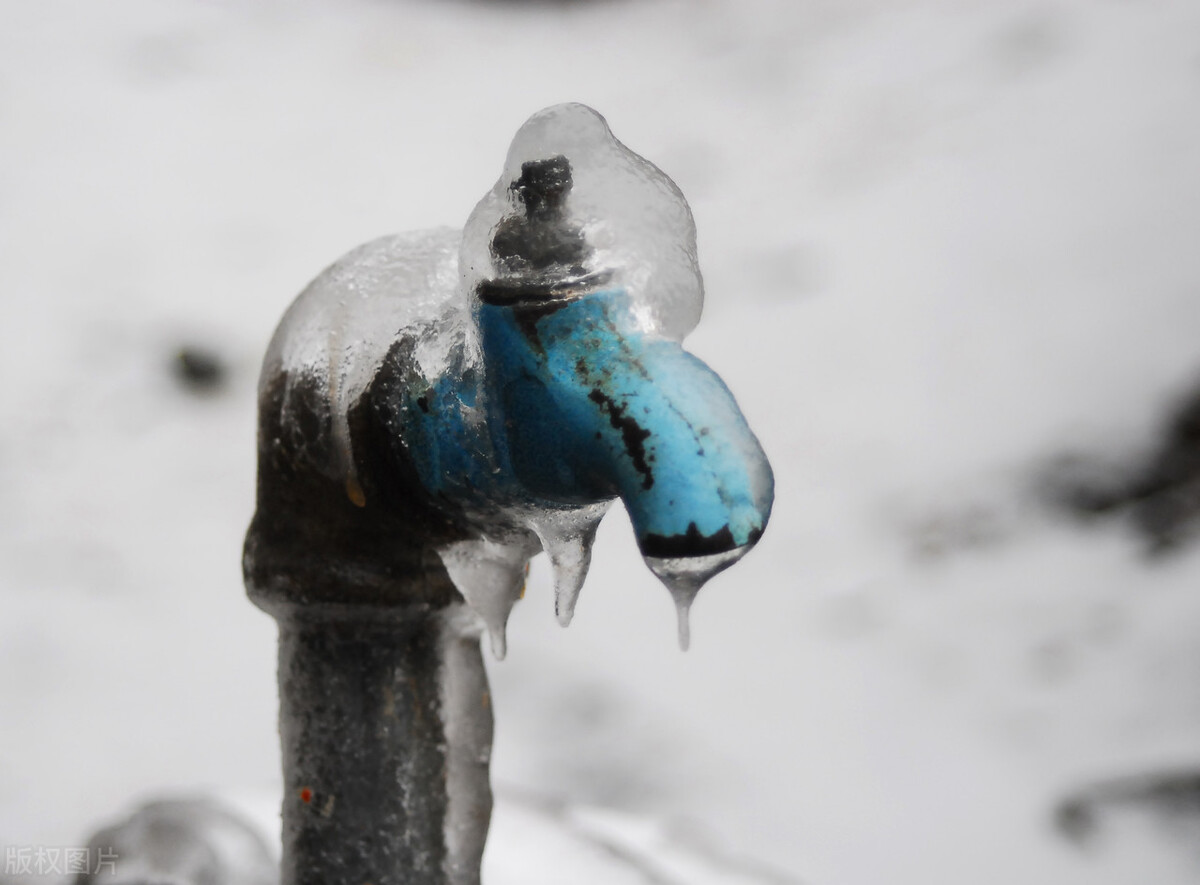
point(684, 577)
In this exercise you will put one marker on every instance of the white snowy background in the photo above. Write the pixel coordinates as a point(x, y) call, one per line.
point(944, 243)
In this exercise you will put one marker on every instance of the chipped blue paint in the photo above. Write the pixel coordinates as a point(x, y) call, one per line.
point(594, 407)
point(581, 406)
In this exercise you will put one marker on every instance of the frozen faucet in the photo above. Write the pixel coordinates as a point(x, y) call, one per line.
point(436, 408)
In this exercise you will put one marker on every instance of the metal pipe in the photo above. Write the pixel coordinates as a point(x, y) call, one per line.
point(386, 728)
point(385, 719)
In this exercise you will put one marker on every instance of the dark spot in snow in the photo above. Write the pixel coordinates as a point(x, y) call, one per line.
point(1029, 43)
point(973, 525)
point(1160, 495)
point(1075, 820)
point(1171, 798)
point(199, 369)
point(423, 404)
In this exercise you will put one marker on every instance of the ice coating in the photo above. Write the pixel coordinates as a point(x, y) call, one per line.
point(635, 219)
point(436, 408)
point(340, 328)
point(491, 577)
point(525, 373)
point(567, 537)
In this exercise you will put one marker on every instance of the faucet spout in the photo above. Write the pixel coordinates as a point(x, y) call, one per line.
point(594, 407)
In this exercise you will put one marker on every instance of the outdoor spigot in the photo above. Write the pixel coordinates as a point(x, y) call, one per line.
point(593, 408)
point(593, 405)
point(436, 408)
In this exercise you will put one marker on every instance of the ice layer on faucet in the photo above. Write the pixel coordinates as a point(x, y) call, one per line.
point(526, 372)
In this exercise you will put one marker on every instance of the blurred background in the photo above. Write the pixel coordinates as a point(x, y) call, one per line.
point(951, 252)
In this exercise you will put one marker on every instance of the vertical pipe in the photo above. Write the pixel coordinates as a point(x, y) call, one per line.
point(386, 727)
point(385, 720)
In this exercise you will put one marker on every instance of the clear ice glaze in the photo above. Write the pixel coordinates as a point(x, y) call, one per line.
point(422, 290)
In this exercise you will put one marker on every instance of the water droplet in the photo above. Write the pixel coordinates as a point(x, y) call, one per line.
point(684, 576)
point(491, 576)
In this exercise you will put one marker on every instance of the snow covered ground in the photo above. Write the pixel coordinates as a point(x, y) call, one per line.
point(945, 242)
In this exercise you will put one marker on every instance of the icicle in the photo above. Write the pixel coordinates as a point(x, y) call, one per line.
point(684, 576)
point(567, 538)
point(491, 577)
point(684, 592)
point(570, 561)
